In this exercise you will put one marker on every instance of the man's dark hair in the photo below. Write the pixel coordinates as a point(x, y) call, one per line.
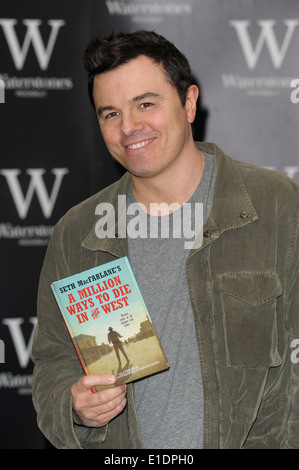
point(108, 52)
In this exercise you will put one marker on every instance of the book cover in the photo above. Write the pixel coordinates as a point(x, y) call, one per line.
point(109, 323)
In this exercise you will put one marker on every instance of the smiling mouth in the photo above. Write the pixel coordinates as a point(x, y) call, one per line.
point(139, 145)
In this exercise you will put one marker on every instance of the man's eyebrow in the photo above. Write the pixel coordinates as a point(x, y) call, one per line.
point(102, 109)
point(148, 94)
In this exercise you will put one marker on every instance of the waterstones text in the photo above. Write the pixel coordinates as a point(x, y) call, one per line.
point(162, 221)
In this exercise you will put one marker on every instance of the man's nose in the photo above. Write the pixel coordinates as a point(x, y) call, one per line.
point(130, 123)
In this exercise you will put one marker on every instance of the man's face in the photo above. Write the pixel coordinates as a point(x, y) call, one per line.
point(142, 120)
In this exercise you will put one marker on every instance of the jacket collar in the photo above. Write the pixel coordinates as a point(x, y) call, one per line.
point(232, 207)
point(115, 242)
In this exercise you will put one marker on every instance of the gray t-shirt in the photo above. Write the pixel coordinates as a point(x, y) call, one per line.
point(170, 404)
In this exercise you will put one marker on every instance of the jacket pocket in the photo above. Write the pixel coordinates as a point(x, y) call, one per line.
point(249, 315)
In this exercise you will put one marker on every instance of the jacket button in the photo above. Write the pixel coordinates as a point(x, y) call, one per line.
point(244, 215)
point(207, 233)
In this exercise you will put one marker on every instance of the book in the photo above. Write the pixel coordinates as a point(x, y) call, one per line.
point(109, 323)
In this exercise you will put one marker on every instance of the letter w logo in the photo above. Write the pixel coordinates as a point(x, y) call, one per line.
point(23, 351)
point(37, 185)
point(266, 36)
point(18, 53)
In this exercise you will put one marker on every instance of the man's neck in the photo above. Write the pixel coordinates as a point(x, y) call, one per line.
point(170, 187)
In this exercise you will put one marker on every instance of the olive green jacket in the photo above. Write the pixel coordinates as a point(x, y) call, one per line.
point(244, 289)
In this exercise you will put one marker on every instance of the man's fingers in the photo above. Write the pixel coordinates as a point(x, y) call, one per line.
point(97, 409)
point(87, 382)
point(105, 408)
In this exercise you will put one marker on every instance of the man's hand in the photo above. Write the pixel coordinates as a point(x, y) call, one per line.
point(97, 409)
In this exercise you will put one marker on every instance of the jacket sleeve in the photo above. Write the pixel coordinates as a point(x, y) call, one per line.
point(56, 365)
point(277, 423)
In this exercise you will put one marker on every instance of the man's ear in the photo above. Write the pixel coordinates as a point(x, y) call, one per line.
point(191, 100)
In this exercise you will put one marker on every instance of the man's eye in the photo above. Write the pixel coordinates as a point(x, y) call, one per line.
point(111, 115)
point(146, 105)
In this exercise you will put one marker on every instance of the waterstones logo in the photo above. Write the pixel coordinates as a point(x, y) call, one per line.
point(20, 382)
point(32, 87)
point(256, 86)
point(266, 38)
point(19, 52)
point(32, 235)
point(37, 235)
point(36, 186)
point(23, 351)
point(163, 221)
point(253, 48)
point(148, 12)
point(8, 380)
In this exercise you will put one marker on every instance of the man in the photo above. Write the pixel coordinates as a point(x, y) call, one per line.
point(114, 338)
point(225, 310)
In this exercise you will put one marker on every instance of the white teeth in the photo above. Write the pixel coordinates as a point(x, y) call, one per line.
point(139, 145)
